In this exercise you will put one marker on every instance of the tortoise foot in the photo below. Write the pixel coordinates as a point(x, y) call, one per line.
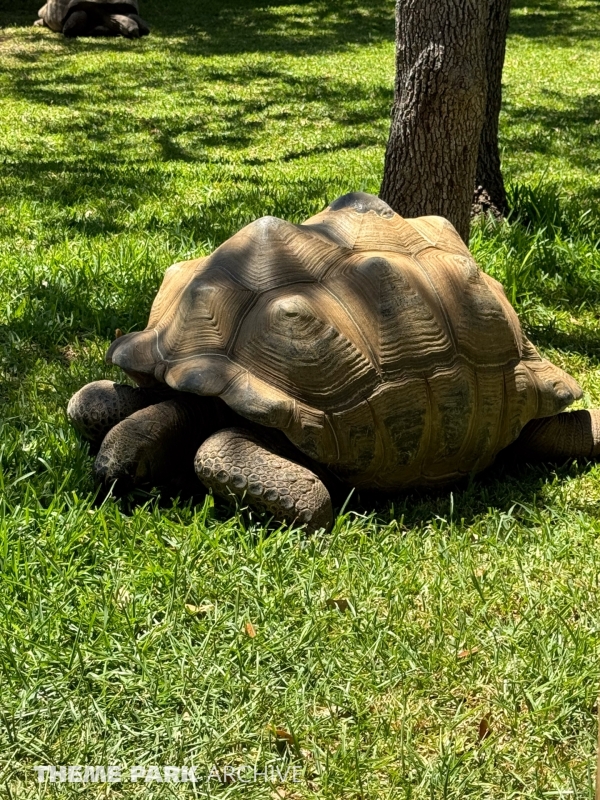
point(77, 24)
point(122, 25)
point(143, 26)
point(234, 462)
point(99, 406)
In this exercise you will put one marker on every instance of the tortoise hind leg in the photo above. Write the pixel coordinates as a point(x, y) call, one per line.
point(234, 462)
point(121, 25)
point(572, 434)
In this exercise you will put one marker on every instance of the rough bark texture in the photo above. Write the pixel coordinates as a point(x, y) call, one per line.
point(439, 107)
point(490, 194)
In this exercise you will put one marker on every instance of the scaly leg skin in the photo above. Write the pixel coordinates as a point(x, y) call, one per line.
point(572, 434)
point(101, 30)
point(99, 406)
point(234, 462)
point(141, 23)
point(121, 25)
point(155, 445)
point(77, 24)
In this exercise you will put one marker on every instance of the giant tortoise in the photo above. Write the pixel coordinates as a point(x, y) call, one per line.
point(358, 347)
point(93, 18)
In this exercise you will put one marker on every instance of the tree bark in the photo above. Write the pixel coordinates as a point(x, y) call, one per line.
point(439, 107)
point(490, 193)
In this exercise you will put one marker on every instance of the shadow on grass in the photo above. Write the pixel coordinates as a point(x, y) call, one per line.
point(111, 115)
point(560, 21)
point(583, 341)
point(506, 487)
point(511, 489)
point(240, 26)
point(113, 154)
point(571, 132)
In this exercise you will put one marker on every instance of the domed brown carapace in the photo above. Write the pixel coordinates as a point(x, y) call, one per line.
point(374, 343)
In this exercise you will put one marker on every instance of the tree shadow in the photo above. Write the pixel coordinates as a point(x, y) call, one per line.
point(227, 27)
point(234, 124)
point(505, 486)
point(285, 26)
point(563, 22)
point(104, 160)
point(571, 132)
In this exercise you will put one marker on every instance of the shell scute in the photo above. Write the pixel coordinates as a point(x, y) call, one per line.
point(356, 432)
point(405, 321)
point(401, 409)
point(271, 253)
point(302, 343)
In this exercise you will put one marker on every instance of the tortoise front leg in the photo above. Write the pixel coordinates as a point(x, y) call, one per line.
point(234, 462)
point(77, 24)
point(155, 445)
point(99, 406)
point(572, 434)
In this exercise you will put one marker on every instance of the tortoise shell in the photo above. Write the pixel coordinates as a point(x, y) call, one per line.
point(375, 343)
point(55, 12)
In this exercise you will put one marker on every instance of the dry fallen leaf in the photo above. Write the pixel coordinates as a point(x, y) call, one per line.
point(284, 740)
point(484, 729)
point(468, 653)
point(338, 602)
point(198, 610)
point(250, 630)
point(281, 733)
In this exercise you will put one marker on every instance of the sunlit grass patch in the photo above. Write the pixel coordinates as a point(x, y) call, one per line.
point(439, 644)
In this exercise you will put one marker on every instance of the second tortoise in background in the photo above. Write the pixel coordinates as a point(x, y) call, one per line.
point(93, 18)
point(358, 346)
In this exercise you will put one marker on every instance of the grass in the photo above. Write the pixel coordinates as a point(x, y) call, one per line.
point(465, 661)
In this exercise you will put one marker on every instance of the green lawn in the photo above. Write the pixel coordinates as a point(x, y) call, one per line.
point(466, 664)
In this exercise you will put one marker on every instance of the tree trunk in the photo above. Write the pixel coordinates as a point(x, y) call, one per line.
point(490, 194)
point(439, 107)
